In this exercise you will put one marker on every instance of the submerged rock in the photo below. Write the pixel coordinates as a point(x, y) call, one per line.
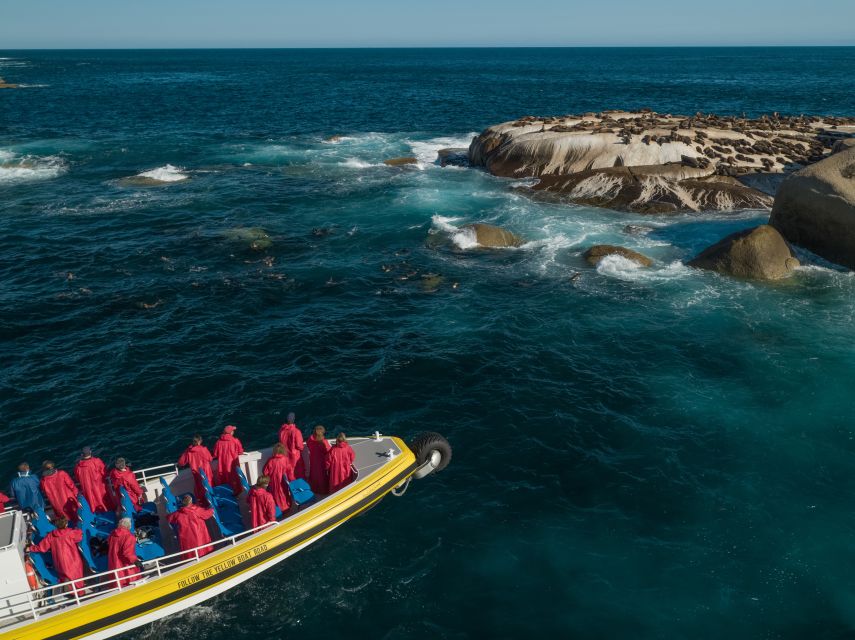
point(7, 85)
point(600, 251)
point(254, 238)
point(649, 162)
point(455, 157)
point(333, 138)
point(815, 208)
point(760, 253)
point(400, 162)
point(488, 235)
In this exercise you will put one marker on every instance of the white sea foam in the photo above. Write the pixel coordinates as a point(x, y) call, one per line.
point(425, 151)
point(622, 268)
point(356, 163)
point(167, 173)
point(16, 168)
point(444, 223)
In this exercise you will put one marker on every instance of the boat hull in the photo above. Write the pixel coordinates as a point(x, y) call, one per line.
point(222, 570)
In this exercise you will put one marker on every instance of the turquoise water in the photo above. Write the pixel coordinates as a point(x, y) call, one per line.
point(655, 453)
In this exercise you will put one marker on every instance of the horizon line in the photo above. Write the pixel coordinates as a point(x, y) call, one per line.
point(439, 47)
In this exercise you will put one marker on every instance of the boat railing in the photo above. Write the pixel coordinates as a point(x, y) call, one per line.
point(153, 473)
point(36, 603)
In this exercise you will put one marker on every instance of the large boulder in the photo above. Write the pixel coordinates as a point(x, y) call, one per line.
point(760, 253)
point(815, 208)
point(600, 251)
point(651, 163)
point(488, 235)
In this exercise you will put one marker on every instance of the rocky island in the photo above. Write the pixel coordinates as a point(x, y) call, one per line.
point(648, 162)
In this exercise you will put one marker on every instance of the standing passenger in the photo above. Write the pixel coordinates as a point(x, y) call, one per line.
point(122, 476)
point(340, 463)
point(198, 458)
point(318, 447)
point(91, 475)
point(192, 529)
point(25, 489)
point(3, 500)
point(226, 451)
point(122, 553)
point(292, 440)
point(60, 490)
point(62, 543)
point(276, 468)
point(261, 504)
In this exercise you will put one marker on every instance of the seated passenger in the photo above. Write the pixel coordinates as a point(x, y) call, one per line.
point(25, 489)
point(62, 543)
point(91, 474)
point(261, 504)
point(340, 461)
point(198, 458)
point(291, 438)
point(193, 532)
point(276, 468)
point(3, 500)
point(122, 554)
point(122, 476)
point(227, 450)
point(60, 490)
point(318, 447)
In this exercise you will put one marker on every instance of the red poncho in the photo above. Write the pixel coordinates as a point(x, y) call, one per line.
point(226, 451)
point(122, 552)
point(61, 492)
point(261, 506)
point(318, 465)
point(62, 544)
point(3, 500)
point(192, 530)
point(292, 440)
point(277, 468)
point(125, 478)
point(91, 474)
point(197, 457)
point(339, 461)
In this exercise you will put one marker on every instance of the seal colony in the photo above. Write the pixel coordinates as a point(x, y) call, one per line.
point(647, 162)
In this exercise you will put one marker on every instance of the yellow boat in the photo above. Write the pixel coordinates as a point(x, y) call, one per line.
point(169, 581)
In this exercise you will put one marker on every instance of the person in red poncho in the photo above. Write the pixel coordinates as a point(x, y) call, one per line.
point(91, 475)
point(122, 553)
point(226, 451)
point(60, 490)
point(262, 508)
point(340, 461)
point(292, 440)
point(318, 447)
point(198, 458)
point(122, 476)
point(277, 468)
point(3, 500)
point(62, 543)
point(193, 532)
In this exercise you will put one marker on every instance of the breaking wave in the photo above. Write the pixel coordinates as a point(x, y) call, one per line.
point(16, 168)
point(166, 173)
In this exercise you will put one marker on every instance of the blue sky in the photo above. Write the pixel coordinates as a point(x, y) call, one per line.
point(360, 23)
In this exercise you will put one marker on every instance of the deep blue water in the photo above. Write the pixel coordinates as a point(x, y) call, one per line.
point(653, 453)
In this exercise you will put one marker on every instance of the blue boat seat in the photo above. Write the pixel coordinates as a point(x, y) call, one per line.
point(149, 550)
point(41, 523)
point(300, 491)
point(87, 516)
point(243, 481)
point(169, 499)
point(86, 552)
point(45, 573)
point(222, 492)
point(128, 509)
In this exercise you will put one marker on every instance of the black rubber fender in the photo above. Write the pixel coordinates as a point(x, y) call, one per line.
point(424, 445)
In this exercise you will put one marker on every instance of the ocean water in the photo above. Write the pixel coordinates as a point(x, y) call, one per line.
point(638, 453)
